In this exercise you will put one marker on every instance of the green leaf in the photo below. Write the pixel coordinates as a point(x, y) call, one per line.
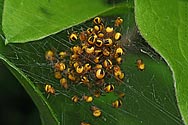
point(149, 94)
point(164, 24)
point(46, 113)
point(150, 97)
point(30, 20)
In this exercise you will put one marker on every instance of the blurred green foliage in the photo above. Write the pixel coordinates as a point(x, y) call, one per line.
point(16, 107)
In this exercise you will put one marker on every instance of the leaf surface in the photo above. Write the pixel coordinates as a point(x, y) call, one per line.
point(164, 24)
point(149, 94)
point(28, 20)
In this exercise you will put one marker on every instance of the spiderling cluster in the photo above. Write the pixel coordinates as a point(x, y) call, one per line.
point(95, 59)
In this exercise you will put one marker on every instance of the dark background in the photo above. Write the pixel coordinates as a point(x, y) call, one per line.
point(16, 107)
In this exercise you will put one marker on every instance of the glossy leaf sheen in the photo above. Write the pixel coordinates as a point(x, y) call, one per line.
point(164, 24)
point(28, 20)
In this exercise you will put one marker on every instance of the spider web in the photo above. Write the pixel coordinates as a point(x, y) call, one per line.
point(141, 100)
